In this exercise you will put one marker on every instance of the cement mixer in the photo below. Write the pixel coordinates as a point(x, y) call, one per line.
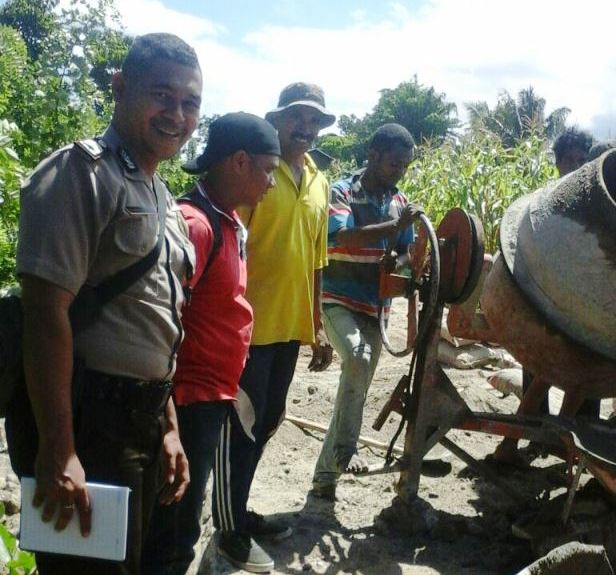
point(548, 298)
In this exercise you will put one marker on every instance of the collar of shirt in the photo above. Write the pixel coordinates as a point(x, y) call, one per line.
point(112, 140)
point(310, 170)
point(241, 233)
point(359, 192)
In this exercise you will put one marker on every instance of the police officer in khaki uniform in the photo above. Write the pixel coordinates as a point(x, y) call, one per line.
point(88, 211)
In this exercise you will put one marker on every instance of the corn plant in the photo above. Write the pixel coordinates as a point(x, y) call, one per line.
point(479, 175)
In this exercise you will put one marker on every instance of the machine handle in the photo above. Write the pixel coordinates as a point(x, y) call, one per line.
point(429, 306)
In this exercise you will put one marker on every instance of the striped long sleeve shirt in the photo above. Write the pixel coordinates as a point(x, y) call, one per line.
point(352, 277)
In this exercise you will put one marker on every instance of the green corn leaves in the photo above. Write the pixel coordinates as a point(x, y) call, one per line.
point(477, 173)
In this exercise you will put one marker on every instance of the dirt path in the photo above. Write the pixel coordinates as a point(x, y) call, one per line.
point(462, 524)
point(467, 527)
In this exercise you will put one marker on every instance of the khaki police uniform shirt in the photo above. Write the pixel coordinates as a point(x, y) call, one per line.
point(85, 215)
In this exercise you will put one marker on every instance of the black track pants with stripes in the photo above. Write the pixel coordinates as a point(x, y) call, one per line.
point(259, 410)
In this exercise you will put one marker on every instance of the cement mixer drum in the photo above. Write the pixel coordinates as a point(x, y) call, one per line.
point(559, 244)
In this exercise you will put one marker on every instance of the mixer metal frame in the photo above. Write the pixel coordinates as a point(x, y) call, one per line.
point(429, 403)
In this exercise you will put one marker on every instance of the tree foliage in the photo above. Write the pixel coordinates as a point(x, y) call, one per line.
point(71, 56)
point(34, 20)
point(13, 74)
point(515, 119)
point(13, 69)
point(178, 181)
point(420, 109)
point(340, 147)
point(11, 176)
point(56, 62)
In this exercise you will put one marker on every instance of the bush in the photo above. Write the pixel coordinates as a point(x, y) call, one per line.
point(13, 561)
point(11, 176)
point(178, 181)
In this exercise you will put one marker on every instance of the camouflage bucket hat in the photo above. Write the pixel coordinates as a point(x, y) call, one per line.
point(302, 94)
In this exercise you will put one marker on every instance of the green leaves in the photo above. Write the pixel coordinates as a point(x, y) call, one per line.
point(420, 109)
point(62, 57)
point(478, 174)
point(13, 561)
point(514, 120)
point(178, 181)
point(34, 21)
point(13, 65)
point(11, 177)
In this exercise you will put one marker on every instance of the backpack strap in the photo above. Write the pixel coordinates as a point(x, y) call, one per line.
point(200, 199)
point(91, 299)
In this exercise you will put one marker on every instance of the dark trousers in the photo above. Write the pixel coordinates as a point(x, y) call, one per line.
point(258, 413)
point(115, 445)
point(176, 528)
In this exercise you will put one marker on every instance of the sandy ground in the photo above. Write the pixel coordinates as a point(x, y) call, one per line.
point(468, 519)
point(460, 523)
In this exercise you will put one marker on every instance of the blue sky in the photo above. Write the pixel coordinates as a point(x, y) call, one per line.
point(468, 49)
point(242, 16)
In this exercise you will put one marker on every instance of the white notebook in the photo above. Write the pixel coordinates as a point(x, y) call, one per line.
point(107, 539)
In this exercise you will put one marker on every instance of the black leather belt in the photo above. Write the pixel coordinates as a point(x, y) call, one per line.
point(129, 392)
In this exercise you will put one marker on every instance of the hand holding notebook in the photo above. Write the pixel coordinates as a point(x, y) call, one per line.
point(107, 539)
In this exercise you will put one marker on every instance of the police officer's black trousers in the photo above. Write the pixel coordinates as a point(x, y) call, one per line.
point(115, 445)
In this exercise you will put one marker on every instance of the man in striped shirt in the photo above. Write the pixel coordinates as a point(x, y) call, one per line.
point(366, 213)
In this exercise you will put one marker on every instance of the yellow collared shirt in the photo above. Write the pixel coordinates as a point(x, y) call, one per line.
point(287, 242)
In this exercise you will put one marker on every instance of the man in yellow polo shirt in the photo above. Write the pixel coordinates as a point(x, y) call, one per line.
point(286, 251)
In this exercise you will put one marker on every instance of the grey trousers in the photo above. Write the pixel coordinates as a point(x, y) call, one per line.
point(357, 340)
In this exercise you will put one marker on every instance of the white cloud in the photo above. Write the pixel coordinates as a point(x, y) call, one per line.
point(469, 49)
point(144, 16)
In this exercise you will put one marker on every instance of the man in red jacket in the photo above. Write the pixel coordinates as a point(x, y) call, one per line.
point(241, 155)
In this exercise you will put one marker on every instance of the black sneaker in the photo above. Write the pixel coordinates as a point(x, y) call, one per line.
point(243, 552)
point(261, 528)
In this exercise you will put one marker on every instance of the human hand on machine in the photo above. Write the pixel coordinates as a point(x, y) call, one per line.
point(409, 214)
point(389, 262)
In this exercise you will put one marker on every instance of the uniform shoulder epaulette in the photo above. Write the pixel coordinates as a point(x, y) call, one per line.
point(93, 148)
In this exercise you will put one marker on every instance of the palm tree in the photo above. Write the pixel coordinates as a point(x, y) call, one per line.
point(513, 120)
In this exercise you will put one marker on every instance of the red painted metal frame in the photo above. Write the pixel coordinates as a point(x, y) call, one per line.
point(433, 406)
